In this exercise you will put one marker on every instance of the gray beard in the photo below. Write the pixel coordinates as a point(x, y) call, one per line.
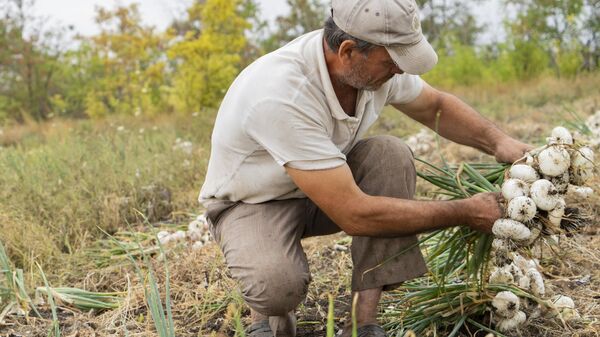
point(358, 79)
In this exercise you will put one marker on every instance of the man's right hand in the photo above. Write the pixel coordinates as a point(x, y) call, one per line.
point(484, 210)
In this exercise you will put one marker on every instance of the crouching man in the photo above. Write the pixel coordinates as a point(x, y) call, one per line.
point(288, 161)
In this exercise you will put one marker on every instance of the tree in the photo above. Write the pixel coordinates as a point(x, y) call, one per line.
point(590, 35)
point(208, 55)
point(29, 54)
point(304, 16)
point(123, 64)
point(449, 21)
point(553, 26)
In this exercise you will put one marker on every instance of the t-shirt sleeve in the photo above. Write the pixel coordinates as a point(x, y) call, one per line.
point(404, 88)
point(292, 137)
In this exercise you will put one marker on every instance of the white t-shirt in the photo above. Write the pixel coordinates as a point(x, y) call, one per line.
point(282, 110)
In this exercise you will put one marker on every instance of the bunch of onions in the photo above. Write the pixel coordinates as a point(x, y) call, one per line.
point(534, 190)
point(197, 233)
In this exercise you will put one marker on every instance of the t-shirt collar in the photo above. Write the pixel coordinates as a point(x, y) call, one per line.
point(334, 104)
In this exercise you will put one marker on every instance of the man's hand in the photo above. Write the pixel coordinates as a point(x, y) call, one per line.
point(509, 150)
point(484, 210)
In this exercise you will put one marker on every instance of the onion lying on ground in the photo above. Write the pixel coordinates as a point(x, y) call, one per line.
point(512, 323)
point(505, 304)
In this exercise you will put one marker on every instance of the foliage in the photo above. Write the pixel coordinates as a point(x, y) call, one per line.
point(130, 68)
point(122, 65)
point(446, 21)
point(304, 16)
point(552, 26)
point(459, 65)
point(208, 59)
point(29, 54)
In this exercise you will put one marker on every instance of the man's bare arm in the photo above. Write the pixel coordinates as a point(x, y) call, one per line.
point(359, 214)
point(460, 123)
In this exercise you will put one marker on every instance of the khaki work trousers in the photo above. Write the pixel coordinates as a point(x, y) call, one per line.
point(261, 242)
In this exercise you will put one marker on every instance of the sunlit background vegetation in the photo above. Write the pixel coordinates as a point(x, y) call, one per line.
point(130, 68)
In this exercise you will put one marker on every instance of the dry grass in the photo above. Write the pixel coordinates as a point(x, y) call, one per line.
point(206, 302)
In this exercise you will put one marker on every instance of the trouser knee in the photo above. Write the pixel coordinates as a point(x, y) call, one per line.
point(276, 288)
point(383, 166)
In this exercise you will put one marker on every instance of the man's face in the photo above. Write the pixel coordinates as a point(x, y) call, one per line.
point(370, 71)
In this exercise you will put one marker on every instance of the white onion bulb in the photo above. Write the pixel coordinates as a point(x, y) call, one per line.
point(536, 231)
point(500, 244)
point(584, 156)
point(561, 182)
point(537, 282)
point(566, 307)
point(512, 323)
point(516, 272)
point(162, 234)
point(505, 304)
point(510, 229)
point(562, 135)
point(582, 166)
point(580, 175)
point(529, 159)
point(524, 283)
point(554, 161)
point(561, 301)
point(179, 235)
point(521, 209)
point(557, 213)
point(544, 194)
point(523, 172)
point(582, 191)
point(513, 188)
point(523, 263)
point(501, 276)
point(194, 234)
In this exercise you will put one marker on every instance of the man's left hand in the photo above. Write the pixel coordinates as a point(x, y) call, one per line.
point(510, 150)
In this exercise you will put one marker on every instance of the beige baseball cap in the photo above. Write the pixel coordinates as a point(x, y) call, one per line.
point(393, 24)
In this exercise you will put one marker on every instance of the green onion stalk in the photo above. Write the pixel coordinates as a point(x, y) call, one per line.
point(455, 292)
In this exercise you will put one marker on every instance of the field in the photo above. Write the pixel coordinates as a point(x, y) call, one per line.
point(75, 192)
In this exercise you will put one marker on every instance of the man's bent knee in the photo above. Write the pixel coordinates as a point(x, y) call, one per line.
point(384, 165)
point(276, 288)
point(388, 147)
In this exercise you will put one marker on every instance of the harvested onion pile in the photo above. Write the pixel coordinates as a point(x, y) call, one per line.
point(535, 189)
point(197, 234)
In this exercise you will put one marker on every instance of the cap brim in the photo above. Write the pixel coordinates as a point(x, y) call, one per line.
point(415, 59)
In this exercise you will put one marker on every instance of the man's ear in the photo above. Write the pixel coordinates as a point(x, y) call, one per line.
point(345, 51)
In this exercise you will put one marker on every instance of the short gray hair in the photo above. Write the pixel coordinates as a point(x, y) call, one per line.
point(334, 37)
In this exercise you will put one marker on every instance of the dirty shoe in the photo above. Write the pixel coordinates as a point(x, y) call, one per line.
point(260, 329)
point(371, 330)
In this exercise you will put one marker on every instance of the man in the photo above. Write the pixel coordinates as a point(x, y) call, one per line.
point(288, 161)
